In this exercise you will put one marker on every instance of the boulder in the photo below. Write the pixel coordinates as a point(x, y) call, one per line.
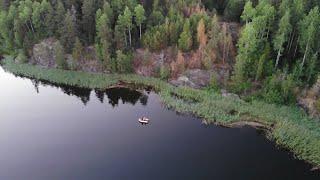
point(309, 99)
point(184, 81)
point(200, 78)
point(195, 78)
point(224, 93)
point(44, 53)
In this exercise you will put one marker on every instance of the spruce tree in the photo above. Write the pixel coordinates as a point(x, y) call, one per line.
point(60, 56)
point(88, 20)
point(77, 50)
point(69, 31)
point(59, 17)
point(185, 40)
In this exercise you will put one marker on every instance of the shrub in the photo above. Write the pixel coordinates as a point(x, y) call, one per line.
point(178, 66)
point(317, 104)
point(155, 38)
point(239, 87)
point(59, 58)
point(124, 62)
point(206, 62)
point(214, 83)
point(279, 89)
point(164, 72)
point(21, 58)
point(185, 40)
point(77, 50)
point(146, 57)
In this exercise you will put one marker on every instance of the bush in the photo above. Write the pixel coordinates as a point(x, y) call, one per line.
point(59, 58)
point(317, 104)
point(21, 58)
point(239, 87)
point(164, 72)
point(155, 38)
point(146, 57)
point(279, 89)
point(234, 9)
point(124, 62)
point(214, 83)
point(178, 66)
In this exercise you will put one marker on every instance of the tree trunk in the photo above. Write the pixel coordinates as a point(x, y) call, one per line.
point(288, 44)
point(140, 30)
point(30, 22)
point(26, 24)
point(292, 39)
point(130, 37)
point(224, 50)
point(295, 50)
point(305, 54)
point(278, 58)
point(125, 38)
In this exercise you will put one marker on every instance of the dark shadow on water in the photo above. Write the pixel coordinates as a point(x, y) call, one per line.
point(114, 95)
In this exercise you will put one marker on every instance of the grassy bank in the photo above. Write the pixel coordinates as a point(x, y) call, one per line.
point(289, 126)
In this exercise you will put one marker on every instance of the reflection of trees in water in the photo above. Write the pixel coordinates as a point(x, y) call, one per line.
point(100, 95)
point(114, 94)
point(36, 85)
point(82, 93)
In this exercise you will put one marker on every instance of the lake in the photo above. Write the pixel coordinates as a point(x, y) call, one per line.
point(60, 132)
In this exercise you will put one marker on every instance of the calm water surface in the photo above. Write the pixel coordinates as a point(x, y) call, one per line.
point(64, 133)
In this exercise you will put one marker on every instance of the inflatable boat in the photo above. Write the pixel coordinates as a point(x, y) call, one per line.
point(144, 120)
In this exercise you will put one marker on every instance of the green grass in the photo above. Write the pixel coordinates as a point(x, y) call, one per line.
point(290, 126)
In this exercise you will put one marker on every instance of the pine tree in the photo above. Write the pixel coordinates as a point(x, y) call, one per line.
point(59, 17)
point(69, 31)
point(107, 9)
point(247, 53)
point(185, 40)
point(59, 56)
point(88, 20)
point(49, 21)
point(201, 34)
point(25, 15)
point(77, 50)
point(104, 36)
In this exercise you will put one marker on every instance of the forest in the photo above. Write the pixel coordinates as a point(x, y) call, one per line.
point(276, 52)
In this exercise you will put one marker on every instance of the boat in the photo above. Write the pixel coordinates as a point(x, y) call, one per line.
point(144, 120)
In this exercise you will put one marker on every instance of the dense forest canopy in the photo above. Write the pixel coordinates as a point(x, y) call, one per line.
point(277, 49)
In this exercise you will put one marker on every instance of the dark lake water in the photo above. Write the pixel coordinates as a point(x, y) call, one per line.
point(64, 133)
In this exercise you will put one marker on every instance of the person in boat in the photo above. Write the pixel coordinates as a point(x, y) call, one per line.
point(144, 119)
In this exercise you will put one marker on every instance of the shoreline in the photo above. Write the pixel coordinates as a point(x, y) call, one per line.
point(289, 127)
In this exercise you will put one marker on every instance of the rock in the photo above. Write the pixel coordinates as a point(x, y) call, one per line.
point(224, 93)
point(44, 53)
point(184, 81)
point(200, 78)
point(89, 62)
point(309, 99)
point(194, 78)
